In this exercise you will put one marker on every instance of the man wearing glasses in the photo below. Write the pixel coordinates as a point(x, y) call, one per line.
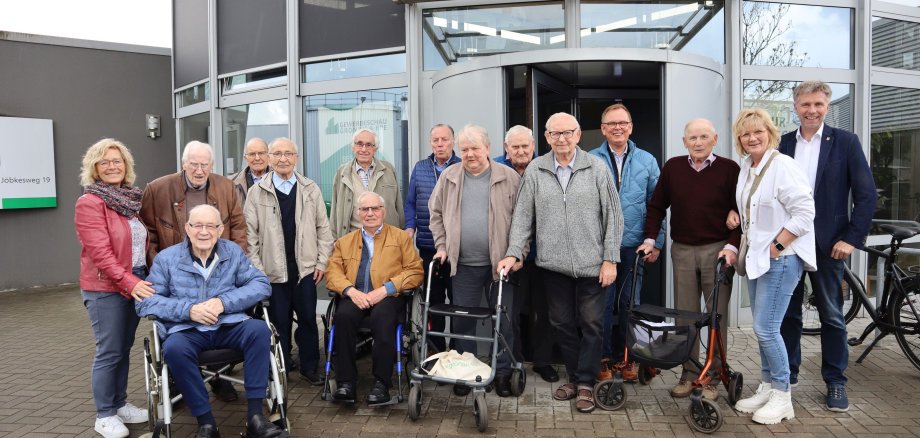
point(635, 174)
point(290, 241)
point(568, 201)
point(363, 174)
point(256, 155)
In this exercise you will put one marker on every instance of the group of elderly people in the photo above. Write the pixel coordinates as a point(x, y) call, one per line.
point(561, 224)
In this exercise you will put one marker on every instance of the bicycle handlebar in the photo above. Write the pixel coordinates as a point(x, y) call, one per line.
point(876, 252)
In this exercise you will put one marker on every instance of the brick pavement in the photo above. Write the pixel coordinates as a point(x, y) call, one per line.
point(46, 353)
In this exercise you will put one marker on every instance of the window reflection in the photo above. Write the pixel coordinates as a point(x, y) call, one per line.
point(194, 128)
point(691, 26)
point(266, 120)
point(783, 35)
point(776, 98)
point(895, 44)
point(355, 67)
point(895, 154)
point(192, 95)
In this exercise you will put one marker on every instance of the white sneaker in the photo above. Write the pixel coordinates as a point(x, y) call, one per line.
point(131, 414)
point(779, 408)
point(753, 403)
point(111, 427)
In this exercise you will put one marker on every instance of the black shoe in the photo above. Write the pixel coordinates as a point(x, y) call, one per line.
point(224, 390)
point(503, 385)
point(207, 431)
point(379, 394)
point(461, 390)
point(312, 378)
point(259, 427)
point(346, 392)
point(547, 373)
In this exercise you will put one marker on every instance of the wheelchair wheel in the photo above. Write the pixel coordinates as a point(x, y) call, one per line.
point(705, 416)
point(153, 390)
point(415, 401)
point(518, 382)
point(646, 374)
point(735, 385)
point(609, 395)
point(481, 412)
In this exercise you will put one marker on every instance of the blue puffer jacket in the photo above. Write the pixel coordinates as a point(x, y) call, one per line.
point(421, 183)
point(179, 286)
point(640, 176)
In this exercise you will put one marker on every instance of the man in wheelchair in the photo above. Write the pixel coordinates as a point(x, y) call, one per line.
point(203, 287)
point(368, 268)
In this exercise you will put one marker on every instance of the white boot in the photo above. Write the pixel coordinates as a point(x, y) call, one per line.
point(753, 403)
point(779, 408)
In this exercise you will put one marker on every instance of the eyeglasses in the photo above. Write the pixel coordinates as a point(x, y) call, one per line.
point(366, 210)
point(199, 166)
point(106, 163)
point(280, 155)
point(362, 145)
point(623, 124)
point(256, 154)
point(567, 134)
point(205, 227)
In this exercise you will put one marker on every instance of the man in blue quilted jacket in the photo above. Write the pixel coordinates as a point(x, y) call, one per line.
point(203, 287)
point(424, 176)
point(635, 175)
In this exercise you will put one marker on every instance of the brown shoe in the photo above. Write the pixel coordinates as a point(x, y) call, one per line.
point(605, 372)
point(711, 392)
point(629, 371)
point(682, 389)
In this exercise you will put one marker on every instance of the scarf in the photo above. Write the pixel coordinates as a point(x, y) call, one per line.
point(125, 200)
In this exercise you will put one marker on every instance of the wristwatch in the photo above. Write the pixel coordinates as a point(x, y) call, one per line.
point(778, 245)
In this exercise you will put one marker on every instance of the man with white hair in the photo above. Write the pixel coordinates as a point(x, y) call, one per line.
point(364, 173)
point(290, 241)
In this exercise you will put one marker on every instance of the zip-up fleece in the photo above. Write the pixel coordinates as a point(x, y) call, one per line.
point(576, 228)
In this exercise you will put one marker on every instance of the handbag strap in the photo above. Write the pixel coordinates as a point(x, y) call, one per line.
point(747, 207)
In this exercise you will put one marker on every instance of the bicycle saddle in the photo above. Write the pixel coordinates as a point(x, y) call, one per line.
point(899, 233)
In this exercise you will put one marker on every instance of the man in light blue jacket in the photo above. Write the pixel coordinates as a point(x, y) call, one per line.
point(635, 175)
point(203, 287)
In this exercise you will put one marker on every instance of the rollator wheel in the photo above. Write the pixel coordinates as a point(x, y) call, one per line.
point(518, 382)
point(646, 374)
point(609, 395)
point(481, 412)
point(735, 385)
point(415, 401)
point(705, 417)
point(331, 387)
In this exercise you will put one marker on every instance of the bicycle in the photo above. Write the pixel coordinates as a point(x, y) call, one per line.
point(811, 323)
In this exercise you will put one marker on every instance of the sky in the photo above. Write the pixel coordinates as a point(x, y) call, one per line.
point(142, 22)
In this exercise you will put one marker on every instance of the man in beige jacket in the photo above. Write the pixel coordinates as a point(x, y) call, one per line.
point(471, 208)
point(290, 241)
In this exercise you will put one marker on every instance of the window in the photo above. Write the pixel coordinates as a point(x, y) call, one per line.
point(355, 67)
point(895, 44)
point(260, 79)
point(266, 120)
point(192, 95)
point(194, 128)
point(895, 132)
point(782, 35)
point(776, 98)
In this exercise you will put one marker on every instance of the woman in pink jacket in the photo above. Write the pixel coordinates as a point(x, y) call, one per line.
point(112, 270)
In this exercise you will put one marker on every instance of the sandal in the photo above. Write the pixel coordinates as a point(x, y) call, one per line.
point(565, 391)
point(585, 401)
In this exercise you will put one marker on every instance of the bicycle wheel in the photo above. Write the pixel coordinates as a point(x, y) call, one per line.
point(811, 323)
point(905, 316)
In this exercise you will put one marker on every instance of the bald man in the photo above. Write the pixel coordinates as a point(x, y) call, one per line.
point(256, 155)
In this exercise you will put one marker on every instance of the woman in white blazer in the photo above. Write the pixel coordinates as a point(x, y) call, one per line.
point(778, 220)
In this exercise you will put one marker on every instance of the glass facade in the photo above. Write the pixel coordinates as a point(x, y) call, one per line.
point(355, 67)
point(895, 154)
point(776, 98)
point(896, 44)
point(787, 35)
point(266, 120)
point(192, 95)
point(194, 128)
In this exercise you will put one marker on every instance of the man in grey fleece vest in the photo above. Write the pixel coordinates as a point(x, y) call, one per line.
point(569, 197)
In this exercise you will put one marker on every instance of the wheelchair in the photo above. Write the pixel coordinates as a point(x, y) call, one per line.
point(408, 351)
point(159, 386)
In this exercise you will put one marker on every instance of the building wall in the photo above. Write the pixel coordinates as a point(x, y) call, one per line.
point(89, 94)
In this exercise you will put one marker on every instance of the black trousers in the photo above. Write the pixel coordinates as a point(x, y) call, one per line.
point(576, 311)
point(530, 295)
point(382, 320)
point(440, 289)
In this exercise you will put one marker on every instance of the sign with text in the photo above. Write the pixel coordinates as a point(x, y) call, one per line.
point(26, 163)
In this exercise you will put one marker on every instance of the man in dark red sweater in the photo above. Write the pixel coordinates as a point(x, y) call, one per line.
point(699, 188)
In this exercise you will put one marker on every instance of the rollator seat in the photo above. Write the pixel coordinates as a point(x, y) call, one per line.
point(219, 356)
point(468, 312)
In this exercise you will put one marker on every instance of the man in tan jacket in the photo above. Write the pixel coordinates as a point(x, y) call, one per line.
point(290, 241)
point(471, 209)
point(369, 267)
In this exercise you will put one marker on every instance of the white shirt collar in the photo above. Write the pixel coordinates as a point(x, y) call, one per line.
point(818, 134)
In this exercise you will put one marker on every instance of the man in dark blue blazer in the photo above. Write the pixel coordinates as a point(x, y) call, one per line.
point(835, 163)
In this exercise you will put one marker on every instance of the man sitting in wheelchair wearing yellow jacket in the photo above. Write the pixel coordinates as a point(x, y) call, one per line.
point(368, 268)
point(203, 288)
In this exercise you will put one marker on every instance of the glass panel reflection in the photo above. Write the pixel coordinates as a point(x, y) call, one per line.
point(266, 120)
point(192, 95)
point(895, 44)
point(194, 128)
point(460, 34)
point(776, 98)
point(895, 155)
point(691, 26)
point(783, 35)
point(355, 67)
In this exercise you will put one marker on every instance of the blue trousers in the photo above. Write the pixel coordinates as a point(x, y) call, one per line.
point(296, 297)
point(835, 353)
point(114, 323)
point(770, 294)
point(617, 304)
point(181, 350)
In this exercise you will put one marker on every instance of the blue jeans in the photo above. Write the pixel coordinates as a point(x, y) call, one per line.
point(618, 295)
point(181, 349)
point(835, 353)
point(770, 294)
point(468, 286)
point(114, 322)
point(300, 298)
